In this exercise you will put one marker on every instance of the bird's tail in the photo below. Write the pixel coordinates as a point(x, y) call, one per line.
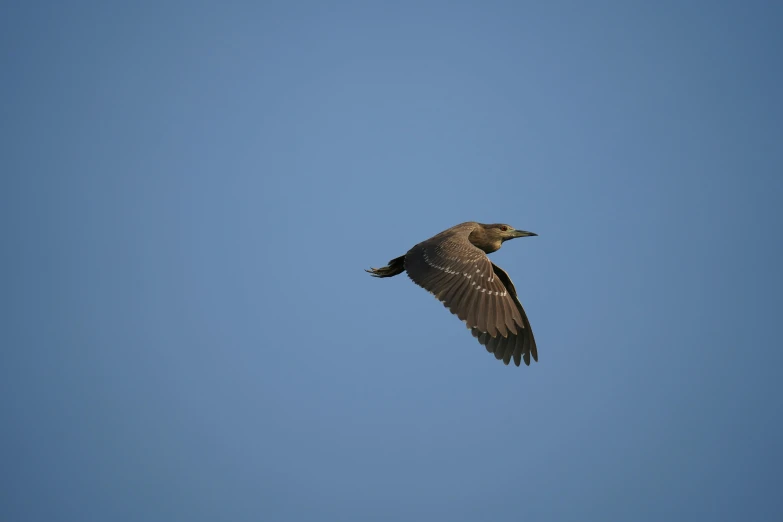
point(396, 266)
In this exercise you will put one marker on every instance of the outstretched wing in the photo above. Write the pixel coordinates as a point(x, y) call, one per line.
point(523, 344)
point(463, 278)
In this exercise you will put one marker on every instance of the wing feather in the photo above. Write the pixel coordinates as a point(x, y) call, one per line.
point(492, 326)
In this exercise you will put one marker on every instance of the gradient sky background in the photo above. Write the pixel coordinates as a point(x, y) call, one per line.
point(190, 193)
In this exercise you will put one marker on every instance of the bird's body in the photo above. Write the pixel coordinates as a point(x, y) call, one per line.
point(454, 267)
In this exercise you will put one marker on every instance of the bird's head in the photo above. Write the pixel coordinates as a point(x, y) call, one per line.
point(505, 232)
point(489, 237)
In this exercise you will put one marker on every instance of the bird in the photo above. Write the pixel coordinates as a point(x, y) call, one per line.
point(454, 267)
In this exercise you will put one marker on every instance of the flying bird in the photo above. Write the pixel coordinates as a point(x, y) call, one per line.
point(454, 267)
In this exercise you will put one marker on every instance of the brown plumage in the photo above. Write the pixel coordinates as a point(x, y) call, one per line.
point(454, 267)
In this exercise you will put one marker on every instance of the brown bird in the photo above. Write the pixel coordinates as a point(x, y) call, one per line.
point(454, 267)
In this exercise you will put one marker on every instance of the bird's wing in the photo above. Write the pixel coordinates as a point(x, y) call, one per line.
point(525, 342)
point(463, 278)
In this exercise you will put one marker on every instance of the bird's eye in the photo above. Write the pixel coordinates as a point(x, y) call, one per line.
point(504, 228)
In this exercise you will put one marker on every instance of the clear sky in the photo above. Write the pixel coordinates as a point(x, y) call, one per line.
point(191, 192)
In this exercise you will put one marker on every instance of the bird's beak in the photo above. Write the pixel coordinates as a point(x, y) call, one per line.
point(522, 233)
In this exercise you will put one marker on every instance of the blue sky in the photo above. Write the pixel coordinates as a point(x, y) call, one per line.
point(190, 193)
